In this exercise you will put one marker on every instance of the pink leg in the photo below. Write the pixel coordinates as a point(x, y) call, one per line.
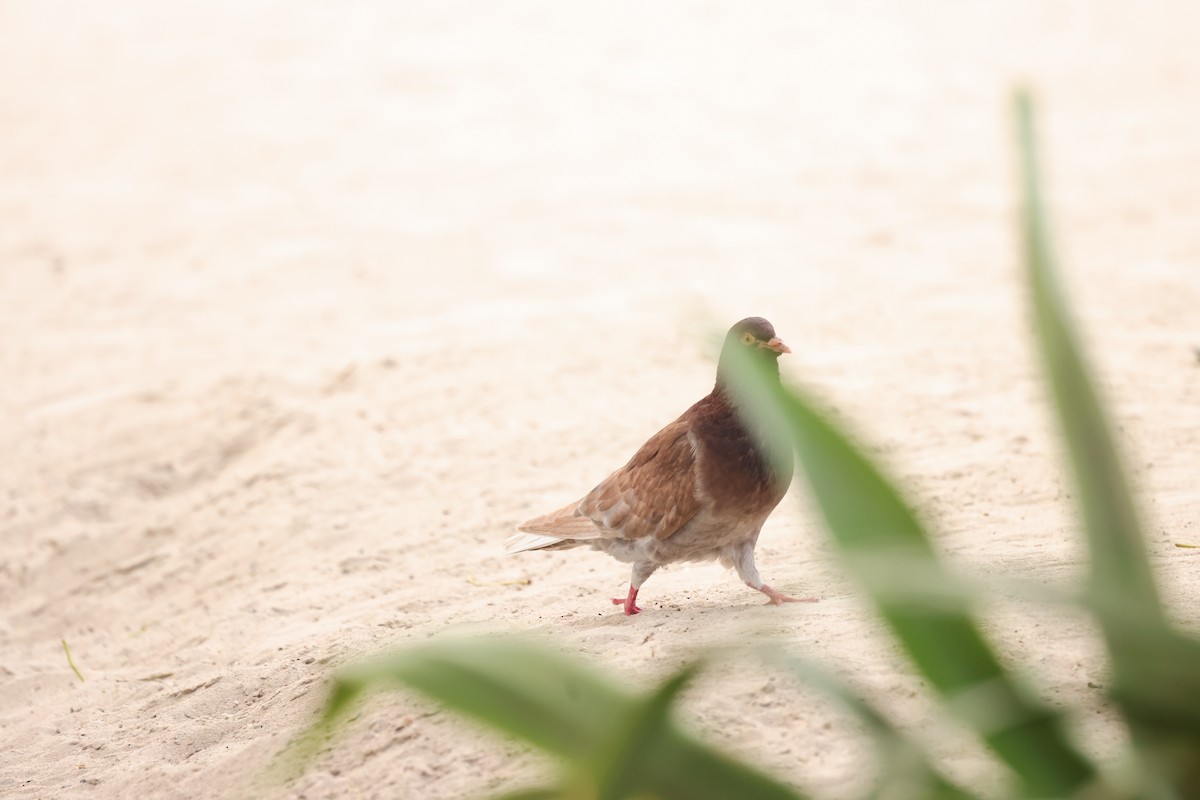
point(778, 598)
point(630, 602)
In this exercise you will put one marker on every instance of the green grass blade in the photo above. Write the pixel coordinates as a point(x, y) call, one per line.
point(71, 661)
point(871, 525)
point(1119, 563)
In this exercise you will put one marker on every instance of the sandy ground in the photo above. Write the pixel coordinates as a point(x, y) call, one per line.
point(303, 308)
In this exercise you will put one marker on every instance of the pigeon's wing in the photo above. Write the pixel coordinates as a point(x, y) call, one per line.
point(653, 495)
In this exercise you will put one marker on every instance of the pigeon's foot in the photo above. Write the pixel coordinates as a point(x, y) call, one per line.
point(779, 598)
point(629, 602)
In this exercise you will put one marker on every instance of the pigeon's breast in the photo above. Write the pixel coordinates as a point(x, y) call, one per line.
point(734, 474)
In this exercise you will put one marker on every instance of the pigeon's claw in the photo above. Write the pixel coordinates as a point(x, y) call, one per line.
point(629, 601)
point(779, 598)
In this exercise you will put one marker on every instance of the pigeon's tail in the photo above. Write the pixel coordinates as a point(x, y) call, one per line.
point(521, 542)
point(558, 530)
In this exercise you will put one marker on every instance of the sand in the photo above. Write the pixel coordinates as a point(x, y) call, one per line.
point(304, 308)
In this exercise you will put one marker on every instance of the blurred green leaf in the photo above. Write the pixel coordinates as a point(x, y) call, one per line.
point(871, 524)
point(534, 794)
point(510, 684)
point(625, 745)
point(649, 753)
point(1119, 563)
point(1156, 670)
point(905, 770)
point(684, 769)
point(621, 767)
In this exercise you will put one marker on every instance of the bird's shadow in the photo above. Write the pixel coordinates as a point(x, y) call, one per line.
point(678, 618)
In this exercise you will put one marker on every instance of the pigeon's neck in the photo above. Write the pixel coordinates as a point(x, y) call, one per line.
point(723, 389)
point(774, 452)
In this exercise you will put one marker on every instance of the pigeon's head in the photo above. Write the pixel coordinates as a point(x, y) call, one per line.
point(755, 337)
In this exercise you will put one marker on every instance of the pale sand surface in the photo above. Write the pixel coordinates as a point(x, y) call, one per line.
point(303, 308)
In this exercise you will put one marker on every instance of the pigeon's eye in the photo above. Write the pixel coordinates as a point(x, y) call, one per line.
point(747, 338)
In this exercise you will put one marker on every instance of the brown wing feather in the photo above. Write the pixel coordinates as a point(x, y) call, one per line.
point(654, 494)
point(565, 522)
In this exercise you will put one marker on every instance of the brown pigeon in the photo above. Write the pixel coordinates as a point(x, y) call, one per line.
point(699, 489)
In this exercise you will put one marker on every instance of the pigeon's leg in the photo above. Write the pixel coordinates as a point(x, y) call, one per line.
point(742, 557)
point(641, 571)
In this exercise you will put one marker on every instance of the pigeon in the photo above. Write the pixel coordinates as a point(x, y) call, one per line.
point(699, 489)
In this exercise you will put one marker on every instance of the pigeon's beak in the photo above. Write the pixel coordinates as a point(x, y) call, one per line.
point(777, 345)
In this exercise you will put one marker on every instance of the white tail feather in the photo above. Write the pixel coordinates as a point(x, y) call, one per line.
point(519, 543)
